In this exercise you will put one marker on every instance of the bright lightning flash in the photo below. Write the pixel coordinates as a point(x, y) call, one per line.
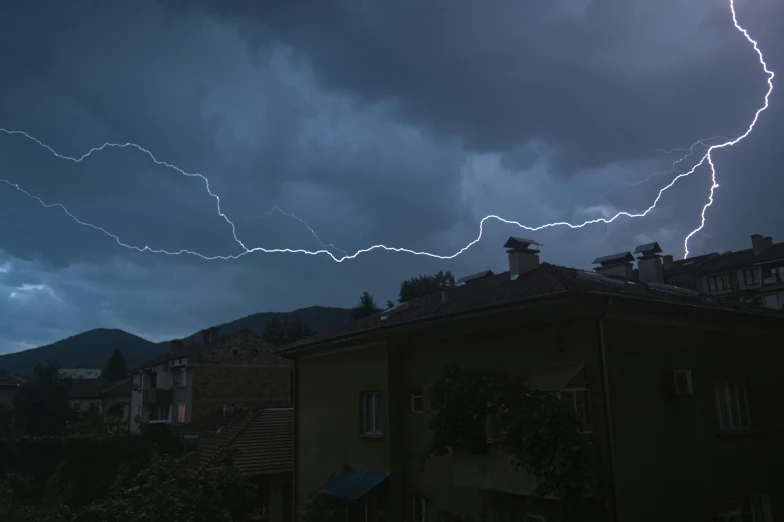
point(707, 157)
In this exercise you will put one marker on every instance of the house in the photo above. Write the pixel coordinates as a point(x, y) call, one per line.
point(117, 405)
point(85, 395)
point(753, 275)
point(238, 370)
point(679, 392)
point(263, 440)
point(79, 373)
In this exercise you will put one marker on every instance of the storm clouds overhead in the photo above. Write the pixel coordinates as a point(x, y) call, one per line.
point(400, 123)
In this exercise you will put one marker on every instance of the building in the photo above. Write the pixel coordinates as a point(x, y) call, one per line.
point(86, 395)
point(238, 370)
point(79, 373)
point(679, 392)
point(117, 405)
point(754, 275)
point(264, 443)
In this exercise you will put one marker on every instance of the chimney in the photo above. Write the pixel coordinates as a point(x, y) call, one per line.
point(523, 255)
point(668, 262)
point(649, 262)
point(760, 243)
point(618, 265)
point(205, 336)
point(177, 346)
point(213, 333)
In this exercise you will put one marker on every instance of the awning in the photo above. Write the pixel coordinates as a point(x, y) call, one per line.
point(352, 485)
point(556, 376)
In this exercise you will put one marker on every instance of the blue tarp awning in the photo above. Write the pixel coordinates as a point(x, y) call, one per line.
point(352, 485)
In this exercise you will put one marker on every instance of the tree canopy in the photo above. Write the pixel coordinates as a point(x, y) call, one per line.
point(115, 369)
point(366, 307)
point(41, 406)
point(279, 332)
point(423, 285)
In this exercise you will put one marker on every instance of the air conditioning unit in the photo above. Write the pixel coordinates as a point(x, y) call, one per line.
point(678, 382)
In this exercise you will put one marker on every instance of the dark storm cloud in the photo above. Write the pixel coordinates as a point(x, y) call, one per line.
point(599, 80)
point(401, 123)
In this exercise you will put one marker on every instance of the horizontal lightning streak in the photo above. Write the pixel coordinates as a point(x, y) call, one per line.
point(293, 216)
point(245, 250)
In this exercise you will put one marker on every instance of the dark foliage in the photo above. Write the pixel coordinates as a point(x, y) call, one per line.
point(366, 307)
point(424, 285)
point(41, 406)
point(115, 369)
point(279, 332)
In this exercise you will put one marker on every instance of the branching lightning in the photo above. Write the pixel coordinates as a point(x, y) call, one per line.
point(706, 158)
point(293, 216)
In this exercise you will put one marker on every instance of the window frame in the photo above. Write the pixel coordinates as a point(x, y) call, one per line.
point(377, 429)
point(413, 396)
point(183, 377)
point(418, 500)
point(728, 388)
point(751, 274)
point(181, 409)
point(587, 404)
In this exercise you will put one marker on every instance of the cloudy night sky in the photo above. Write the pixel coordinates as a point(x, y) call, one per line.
point(396, 122)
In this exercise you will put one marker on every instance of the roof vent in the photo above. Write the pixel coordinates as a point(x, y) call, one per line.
point(473, 277)
point(618, 265)
point(402, 307)
point(649, 262)
point(523, 255)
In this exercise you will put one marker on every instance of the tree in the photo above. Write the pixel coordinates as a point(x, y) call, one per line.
point(116, 369)
point(279, 332)
point(165, 492)
point(366, 307)
point(424, 285)
point(390, 303)
point(541, 433)
point(41, 407)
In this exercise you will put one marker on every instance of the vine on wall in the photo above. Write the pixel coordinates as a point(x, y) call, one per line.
point(541, 434)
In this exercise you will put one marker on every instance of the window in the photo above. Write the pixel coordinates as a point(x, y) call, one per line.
point(417, 402)
point(154, 380)
point(771, 301)
point(746, 510)
point(181, 412)
point(371, 413)
point(577, 398)
point(183, 377)
point(751, 277)
point(420, 509)
point(719, 283)
point(733, 405)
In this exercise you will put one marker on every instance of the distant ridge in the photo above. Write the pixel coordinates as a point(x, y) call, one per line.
point(92, 348)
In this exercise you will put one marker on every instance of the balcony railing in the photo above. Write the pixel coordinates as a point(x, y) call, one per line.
point(157, 395)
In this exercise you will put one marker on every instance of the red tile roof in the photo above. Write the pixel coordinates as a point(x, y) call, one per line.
point(547, 281)
point(263, 439)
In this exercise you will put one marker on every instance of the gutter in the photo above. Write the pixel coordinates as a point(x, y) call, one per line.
point(608, 415)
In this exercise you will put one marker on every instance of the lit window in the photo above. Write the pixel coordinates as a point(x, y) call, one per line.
point(733, 405)
point(181, 412)
point(371, 413)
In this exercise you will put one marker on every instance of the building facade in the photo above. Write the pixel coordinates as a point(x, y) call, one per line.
point(678, 392)
point(754, 275)
point(238, 370)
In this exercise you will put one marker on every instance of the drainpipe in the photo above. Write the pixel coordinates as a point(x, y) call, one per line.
point(608, 415)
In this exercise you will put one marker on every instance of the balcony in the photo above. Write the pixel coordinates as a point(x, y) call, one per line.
point(492, 471)
point(157, 396)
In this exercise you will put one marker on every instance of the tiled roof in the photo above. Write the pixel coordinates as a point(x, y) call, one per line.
point(6, 379)
point(688, 265)
point(263, 439)
point(193, 349)
point(546, 281)
point(86, 388)
point(741, 258)
point(123, 387)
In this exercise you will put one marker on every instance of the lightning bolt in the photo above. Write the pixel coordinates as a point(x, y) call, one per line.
point(707, 157)
point(293, 216)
